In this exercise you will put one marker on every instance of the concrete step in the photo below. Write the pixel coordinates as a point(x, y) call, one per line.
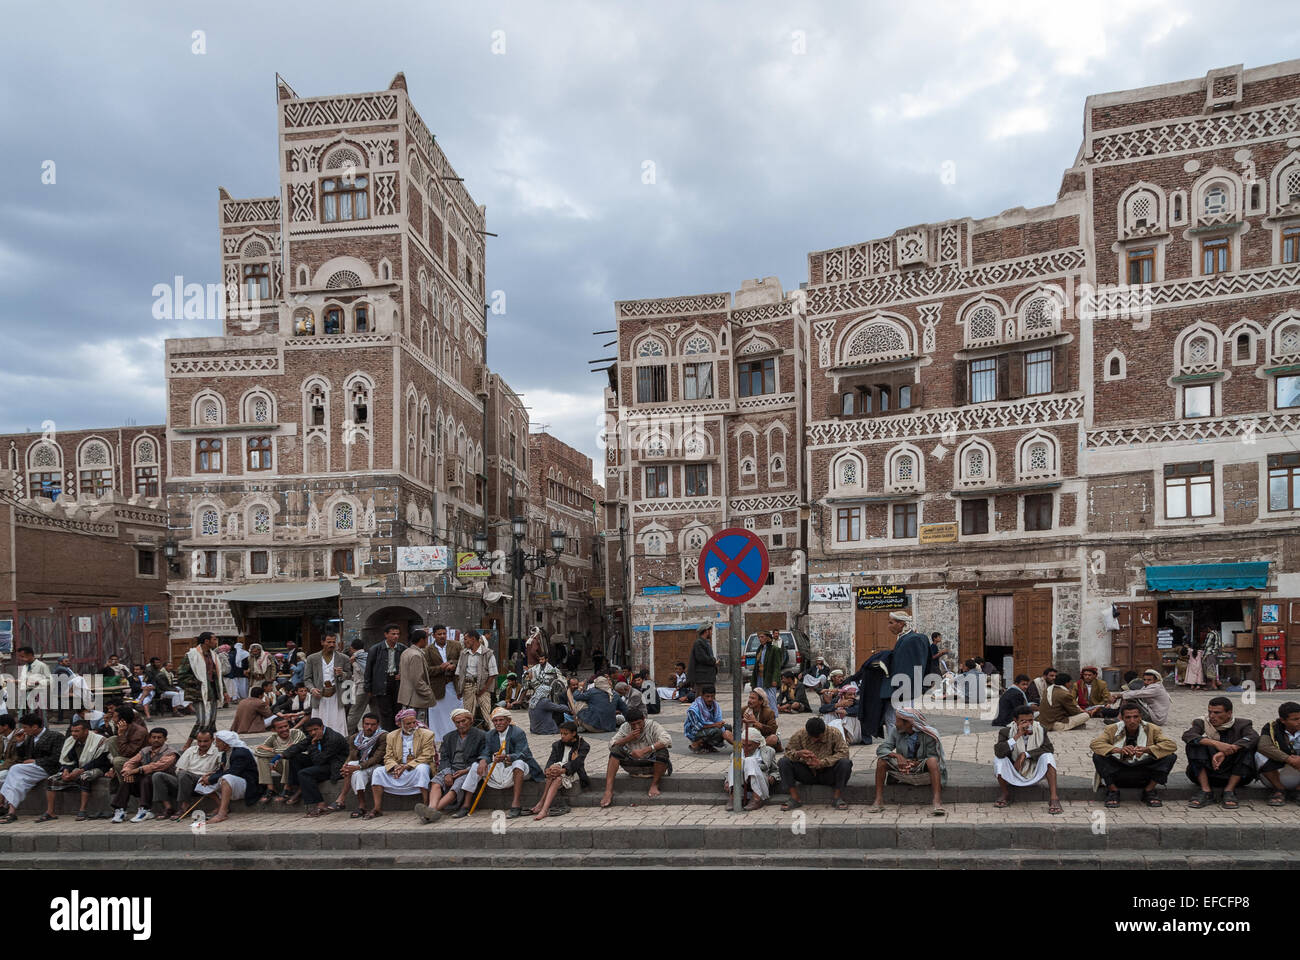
point(590, 832)
point(652, 858)
point(689, 789)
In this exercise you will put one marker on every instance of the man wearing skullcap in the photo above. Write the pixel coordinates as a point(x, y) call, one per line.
point(410, 756)
point(509, 760)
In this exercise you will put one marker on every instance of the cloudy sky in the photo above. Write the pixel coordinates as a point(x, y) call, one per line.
point(774, 128)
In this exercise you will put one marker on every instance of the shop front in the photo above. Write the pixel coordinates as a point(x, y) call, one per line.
point(1196, 616)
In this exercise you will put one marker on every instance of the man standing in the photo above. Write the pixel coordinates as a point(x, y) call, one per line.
point(816, 754)
point(769, 658)
point(911, 753)
point(1133, 753)
point(324, 678)
point(414, 690)
point(82, 761)
point(476, 673)
point(535, 647)
point(364, 756)
point(910, 663)
point(1277, 755)
point(640, 747)
point(1220, 753)
point(507, 745)
point(200, 679)
point(444, 657)
point(357, 674)
point(382, 677)
point(137, 776)
point(317, 759)
point(34, 682)
point(702, 665)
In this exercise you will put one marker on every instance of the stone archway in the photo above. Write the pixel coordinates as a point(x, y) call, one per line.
point(403, 616)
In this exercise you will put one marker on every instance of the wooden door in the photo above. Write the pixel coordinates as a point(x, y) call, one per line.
point(669, 647)
point(1133, 645)
point(754, 622)
point(1289, 621)
point(1032, 632)
point(870, 633)
point(970, 626)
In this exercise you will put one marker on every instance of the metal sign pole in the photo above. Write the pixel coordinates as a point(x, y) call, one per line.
point(735, 648)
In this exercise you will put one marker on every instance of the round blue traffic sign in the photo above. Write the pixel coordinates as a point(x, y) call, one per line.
point(733, 566)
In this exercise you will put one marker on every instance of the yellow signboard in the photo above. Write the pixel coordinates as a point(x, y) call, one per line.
point(938, 532)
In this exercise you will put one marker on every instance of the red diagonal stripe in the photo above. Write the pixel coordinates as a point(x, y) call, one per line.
point(733, 566)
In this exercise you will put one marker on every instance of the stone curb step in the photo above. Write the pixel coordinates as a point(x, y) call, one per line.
point(457, 838)
point(548, 858)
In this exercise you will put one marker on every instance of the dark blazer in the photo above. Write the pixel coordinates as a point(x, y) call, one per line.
point(44, 749)
point(476, 747)
point(577, 767)
point(1011, 698)
point(701, 665)
point(377, 666)
point(331, 751)
point(239, 762)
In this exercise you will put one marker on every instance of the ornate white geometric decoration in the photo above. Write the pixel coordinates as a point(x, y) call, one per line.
point(94, 455)
point(385, 194)
point(929, 314)
point(302, 208)
point(262, 210)
point(343, 280)
point(911, 248)
point(340, 110)
point(669, 306)
point(1185, 135)
point(825, 329)
point(979, 417)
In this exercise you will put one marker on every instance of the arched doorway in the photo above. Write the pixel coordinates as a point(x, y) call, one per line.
point(404, 617)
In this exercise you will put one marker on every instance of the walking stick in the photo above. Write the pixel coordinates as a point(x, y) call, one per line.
point(483, 786)
point(194, 806)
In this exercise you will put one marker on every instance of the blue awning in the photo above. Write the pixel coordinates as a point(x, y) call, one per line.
point(1209, 576)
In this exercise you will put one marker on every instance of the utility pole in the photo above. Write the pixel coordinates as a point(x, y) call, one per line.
point(735, 647)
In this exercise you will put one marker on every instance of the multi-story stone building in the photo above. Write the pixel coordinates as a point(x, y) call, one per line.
point(1059, 434)
point(563, 499)
point(704, 424)
point(339, 415)
point(87, 464)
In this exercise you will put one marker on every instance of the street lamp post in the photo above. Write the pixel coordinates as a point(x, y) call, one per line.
point(521, 563)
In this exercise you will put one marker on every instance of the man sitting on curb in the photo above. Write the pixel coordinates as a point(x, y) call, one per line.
point(816, 754)
point(1133, 753)
point(365, 754)
point(83, 760)
point(509, 760)
point(1220, 753)
point(641, 748)
point(562, 774)
point(911, 753)
point(1058, 709)
point(704, 728)
point(317, 760)
point(1023, 756)
point(410, 754)
point(1277, 755)
point(37, 758)
point(276, 745)
point(137, 776)
point(462, 748)
point(759, 769)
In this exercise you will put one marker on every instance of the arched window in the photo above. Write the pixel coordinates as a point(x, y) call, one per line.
point(976, 464)
point(876, 341)
point(983, 324)
point(344, 520)
point(1216, 199)
point(697, 343)
point(209, 522)
point(1038, 457)
point(1040, 316)
point(650, 347)
point(848, 471)
point(260, 520)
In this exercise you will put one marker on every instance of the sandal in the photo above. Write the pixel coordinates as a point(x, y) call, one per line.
point(358, 814)
point(82, 816)
point(373, 815)
point(791, 805)
point(43, 818)
point(313, 813)
point(9, 818)
point(1230, 800)
point(1002, 802)
point(1055, 809)
point(333, 807)
point(1277, 798)
point(1112, 799)
point(840, 804)
point(1204, 800)
point(1152, 799)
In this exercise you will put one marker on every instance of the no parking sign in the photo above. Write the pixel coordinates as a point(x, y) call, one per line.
point(733, 566)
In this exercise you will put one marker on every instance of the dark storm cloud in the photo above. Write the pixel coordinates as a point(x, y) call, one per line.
point(761, 152)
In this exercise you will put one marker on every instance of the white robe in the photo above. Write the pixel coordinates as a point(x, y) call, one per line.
point(1005, 769)
point(330, 709)
point(440, 721)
